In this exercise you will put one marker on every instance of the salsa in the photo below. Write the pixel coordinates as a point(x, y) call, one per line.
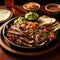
point(32, 6)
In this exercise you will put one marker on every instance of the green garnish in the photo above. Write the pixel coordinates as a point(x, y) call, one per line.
point(31, 31)
point(20, 20)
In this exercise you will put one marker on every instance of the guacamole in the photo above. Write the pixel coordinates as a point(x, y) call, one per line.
point(31, 16)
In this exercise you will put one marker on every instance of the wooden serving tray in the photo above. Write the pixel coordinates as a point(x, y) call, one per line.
point(8, 48)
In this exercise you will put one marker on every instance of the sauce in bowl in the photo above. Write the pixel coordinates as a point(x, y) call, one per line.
point(54, 8)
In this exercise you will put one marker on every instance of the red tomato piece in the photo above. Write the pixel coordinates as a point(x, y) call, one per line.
point(10, 39)
point(53, 36)
point(33, 26)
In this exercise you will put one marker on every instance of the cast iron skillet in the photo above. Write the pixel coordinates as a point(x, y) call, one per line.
point(29, 49)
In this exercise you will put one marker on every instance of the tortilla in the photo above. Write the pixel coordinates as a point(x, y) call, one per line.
point(46, 20)
point(5, 14)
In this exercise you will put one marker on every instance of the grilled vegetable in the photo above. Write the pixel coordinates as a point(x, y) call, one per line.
point(20, 20)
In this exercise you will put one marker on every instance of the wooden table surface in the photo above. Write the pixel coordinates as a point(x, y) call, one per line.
point(5, 55)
